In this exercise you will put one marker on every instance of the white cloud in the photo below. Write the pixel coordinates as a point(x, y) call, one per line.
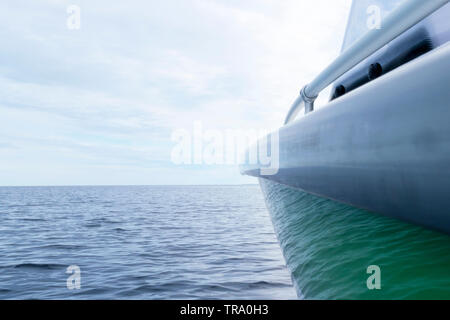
point(110, 94)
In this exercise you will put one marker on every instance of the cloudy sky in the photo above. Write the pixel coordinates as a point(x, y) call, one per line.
point(99, 104)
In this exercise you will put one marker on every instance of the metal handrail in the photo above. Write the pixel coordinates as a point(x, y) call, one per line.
point(397, 22)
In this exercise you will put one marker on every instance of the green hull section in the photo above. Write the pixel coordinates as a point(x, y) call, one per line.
point(328, 247)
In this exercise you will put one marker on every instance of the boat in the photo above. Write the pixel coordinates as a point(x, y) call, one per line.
point(360, 196)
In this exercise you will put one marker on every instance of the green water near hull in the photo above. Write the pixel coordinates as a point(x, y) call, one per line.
point(328, 247)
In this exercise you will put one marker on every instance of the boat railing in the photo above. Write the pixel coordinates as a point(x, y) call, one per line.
point(400, 20)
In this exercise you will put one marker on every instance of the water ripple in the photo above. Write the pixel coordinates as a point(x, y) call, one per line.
point(140, 243)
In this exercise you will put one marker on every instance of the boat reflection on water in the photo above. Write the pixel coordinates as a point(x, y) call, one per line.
point(328, 247)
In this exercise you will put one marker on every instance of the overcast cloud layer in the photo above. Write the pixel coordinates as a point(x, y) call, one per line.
point(98, 105)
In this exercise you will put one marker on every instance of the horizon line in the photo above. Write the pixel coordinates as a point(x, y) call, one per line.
point(130, 185)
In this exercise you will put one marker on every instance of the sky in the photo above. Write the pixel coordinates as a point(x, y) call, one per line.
point(98, 102)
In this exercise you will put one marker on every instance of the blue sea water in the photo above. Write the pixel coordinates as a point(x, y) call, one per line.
point(140, 242)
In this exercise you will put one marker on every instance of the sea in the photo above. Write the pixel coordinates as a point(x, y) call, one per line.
point(335, 251)
point(139, 242)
